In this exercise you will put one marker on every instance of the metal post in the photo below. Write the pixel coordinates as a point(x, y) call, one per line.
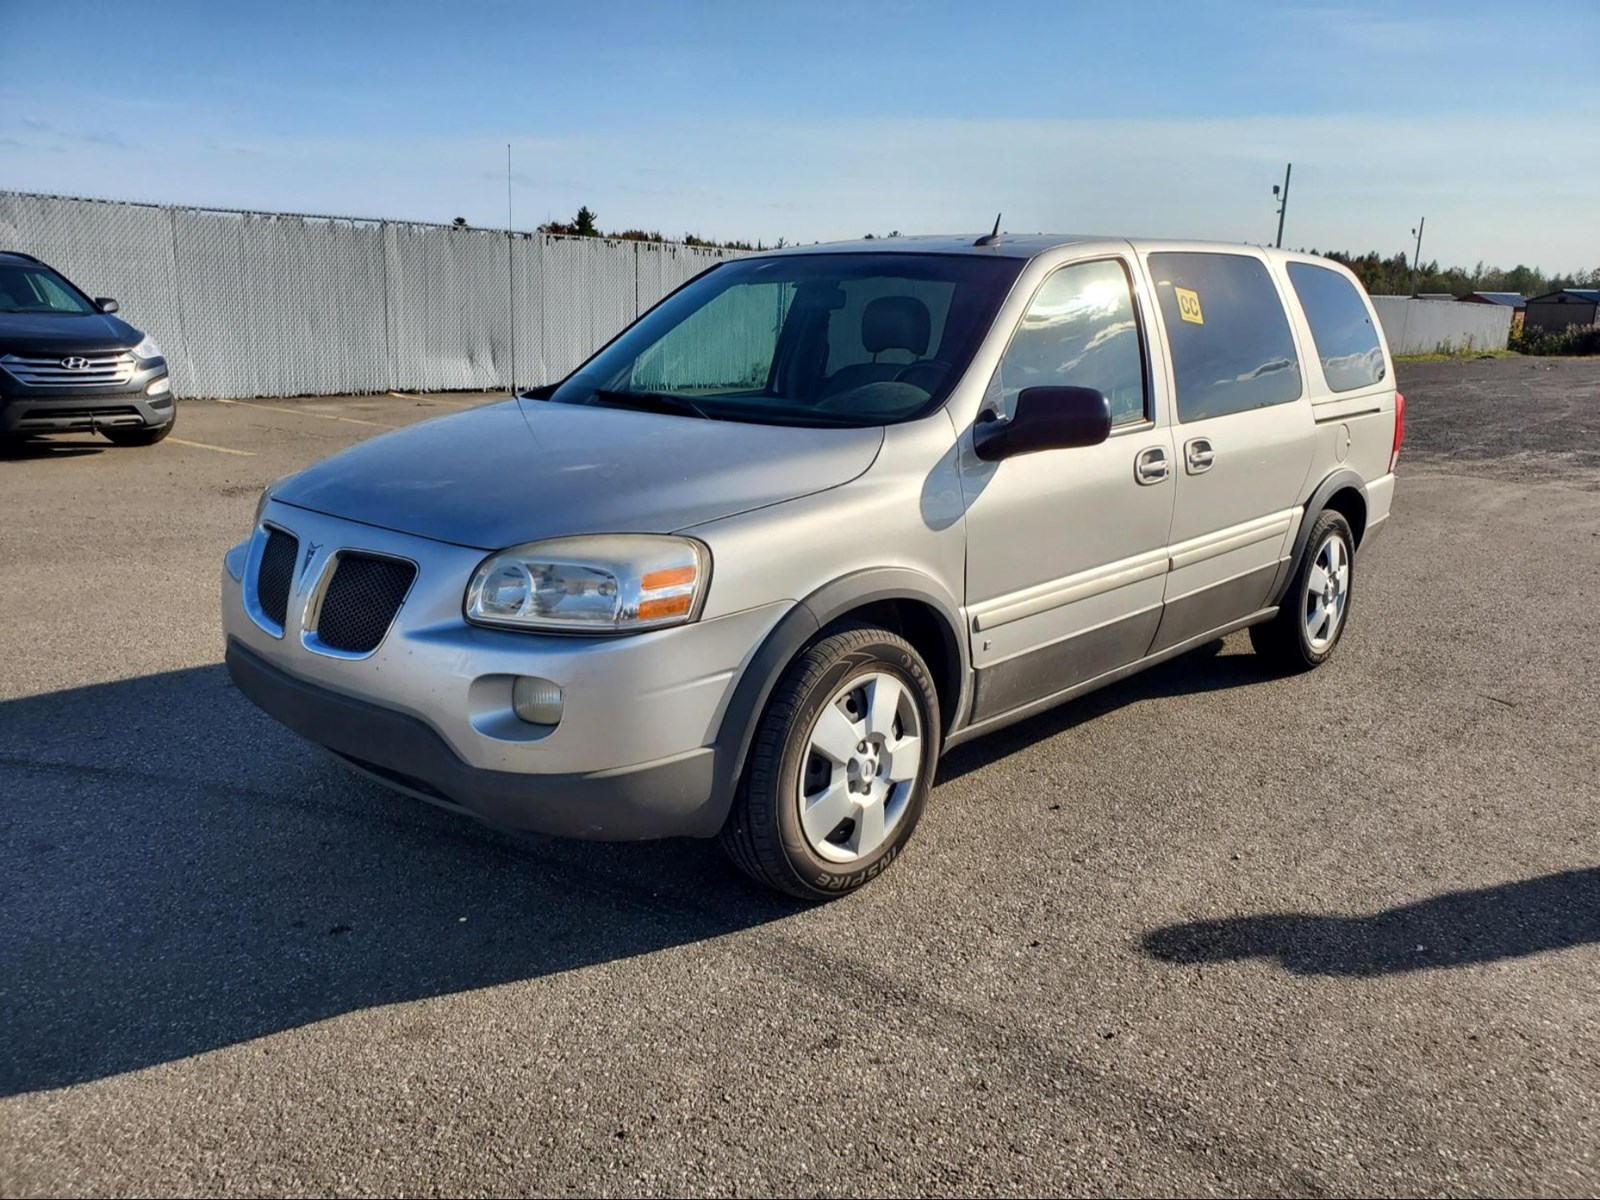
point(1416, 258)
point(1283, 205)
point(511, 277)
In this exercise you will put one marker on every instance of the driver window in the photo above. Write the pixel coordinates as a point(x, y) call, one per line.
point(1080, 331)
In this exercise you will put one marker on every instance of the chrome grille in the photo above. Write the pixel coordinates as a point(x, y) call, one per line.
point(276, 574)
point(361, 601)
point(51, 370)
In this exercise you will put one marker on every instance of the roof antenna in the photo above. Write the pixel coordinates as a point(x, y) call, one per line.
point(991, 239)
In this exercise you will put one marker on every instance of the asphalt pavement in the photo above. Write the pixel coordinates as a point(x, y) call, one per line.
point(1209, 931)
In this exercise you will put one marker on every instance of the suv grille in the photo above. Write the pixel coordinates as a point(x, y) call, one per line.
point(276, 574)
point(51, 370)
point(361, 601)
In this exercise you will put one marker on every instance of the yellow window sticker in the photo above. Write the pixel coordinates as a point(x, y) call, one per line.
point(1189, 305)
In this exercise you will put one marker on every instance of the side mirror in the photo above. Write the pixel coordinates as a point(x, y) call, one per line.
point(106, 304)
point(1047, 418)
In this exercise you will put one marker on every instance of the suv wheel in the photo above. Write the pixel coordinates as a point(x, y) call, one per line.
point(144, 436)
point(1316, 607)
point(840, 768)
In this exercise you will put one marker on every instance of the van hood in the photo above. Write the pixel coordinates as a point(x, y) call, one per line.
point(527, 469)
point(65, 333)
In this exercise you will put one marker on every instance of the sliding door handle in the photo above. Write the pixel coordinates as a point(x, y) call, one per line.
point(1198, 455)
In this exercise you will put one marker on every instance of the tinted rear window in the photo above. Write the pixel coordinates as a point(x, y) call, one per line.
point(1231, 346)
point(1347, 343)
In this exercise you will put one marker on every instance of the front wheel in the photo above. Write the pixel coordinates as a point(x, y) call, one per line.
point(1316, 606)
point(141, 436)
point(840, 768)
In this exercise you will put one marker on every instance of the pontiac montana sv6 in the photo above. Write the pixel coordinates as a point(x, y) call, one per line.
point(818, 516)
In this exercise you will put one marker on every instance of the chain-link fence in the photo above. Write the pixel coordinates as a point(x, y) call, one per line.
point(279, 304)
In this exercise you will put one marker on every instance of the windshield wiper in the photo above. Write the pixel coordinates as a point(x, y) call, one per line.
point(652, 402)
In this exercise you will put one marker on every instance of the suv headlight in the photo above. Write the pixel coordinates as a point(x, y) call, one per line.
point(606, 583)
point(147, 349)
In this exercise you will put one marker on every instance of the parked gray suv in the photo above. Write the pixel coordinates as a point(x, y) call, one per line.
point(816, 517)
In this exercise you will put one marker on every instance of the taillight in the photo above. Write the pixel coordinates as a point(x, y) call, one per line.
point(1399, 429)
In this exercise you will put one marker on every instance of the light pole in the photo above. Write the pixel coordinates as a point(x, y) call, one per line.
point(1416, 258)
point(1283, 202)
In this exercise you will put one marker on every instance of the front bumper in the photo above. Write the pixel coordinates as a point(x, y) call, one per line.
point(652, 800)
point(429, 710)
point(25, 409)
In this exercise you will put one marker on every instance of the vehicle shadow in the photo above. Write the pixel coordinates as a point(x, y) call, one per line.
point(1456, 929)
point(1203, 669)
point(177, 874)
point(43, 448)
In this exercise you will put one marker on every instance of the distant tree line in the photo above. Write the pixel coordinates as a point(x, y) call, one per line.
point(586, 224)
point(1392, 276)
point(1381, 276)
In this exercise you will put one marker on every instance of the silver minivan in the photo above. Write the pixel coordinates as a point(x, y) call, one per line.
point(818, 516)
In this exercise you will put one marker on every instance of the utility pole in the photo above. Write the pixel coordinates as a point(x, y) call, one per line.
point(1283, 202)
point(1416, 258)
point(511, 276)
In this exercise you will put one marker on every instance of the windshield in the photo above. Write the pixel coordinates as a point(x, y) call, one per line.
point(823, 339)
point(27, 289)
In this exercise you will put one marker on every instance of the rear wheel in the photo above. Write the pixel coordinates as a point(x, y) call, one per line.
point(142, 436)
point(1316, 606)
point(840, 768)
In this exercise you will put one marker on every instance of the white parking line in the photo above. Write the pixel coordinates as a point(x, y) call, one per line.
point(177, 441)
point(300, 412)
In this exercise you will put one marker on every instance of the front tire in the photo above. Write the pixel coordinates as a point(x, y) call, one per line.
point(144, 436)
point(840, 768)
point(1316, 606)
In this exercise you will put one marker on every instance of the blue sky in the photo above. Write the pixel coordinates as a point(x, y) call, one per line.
point(822, 120)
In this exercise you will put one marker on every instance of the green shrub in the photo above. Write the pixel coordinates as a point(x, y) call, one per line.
point(1575, 339)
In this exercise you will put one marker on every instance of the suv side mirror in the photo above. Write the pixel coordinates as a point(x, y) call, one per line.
point(106, 304)
point(1047, 418)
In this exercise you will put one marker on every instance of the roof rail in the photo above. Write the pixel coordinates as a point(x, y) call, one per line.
point(20, 254)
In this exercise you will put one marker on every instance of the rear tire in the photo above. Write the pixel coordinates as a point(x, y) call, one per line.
point(145, 436)
point(1316, 605)
point(840, 767)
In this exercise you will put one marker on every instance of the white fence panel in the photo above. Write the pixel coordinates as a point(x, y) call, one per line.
point(1441, 326)
point(280, 304)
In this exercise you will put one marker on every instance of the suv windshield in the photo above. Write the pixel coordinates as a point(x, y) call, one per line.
point(821, 339)
point(30, 289)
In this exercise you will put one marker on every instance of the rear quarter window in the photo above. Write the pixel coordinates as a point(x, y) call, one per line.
point(1341, 326)
point(1228, 334)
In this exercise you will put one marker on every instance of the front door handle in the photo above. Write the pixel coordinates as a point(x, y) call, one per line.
point(1151, 466)
point(1198, 455)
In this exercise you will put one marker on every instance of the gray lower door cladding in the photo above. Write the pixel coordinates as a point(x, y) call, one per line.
point(1054, 668)
point(1213, 607)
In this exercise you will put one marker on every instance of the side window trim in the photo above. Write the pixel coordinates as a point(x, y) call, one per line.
point(1132, 273)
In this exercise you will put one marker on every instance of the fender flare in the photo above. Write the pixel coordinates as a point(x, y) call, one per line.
point(1343, 478)
point(803, 623)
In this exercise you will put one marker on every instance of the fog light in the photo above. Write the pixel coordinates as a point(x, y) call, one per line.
point(159, 387)
point(537, 701)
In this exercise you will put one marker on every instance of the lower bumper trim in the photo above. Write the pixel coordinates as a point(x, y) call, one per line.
point(668, 798)
point(35, 413)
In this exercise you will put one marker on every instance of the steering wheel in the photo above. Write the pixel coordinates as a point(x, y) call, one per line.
point(926, 375)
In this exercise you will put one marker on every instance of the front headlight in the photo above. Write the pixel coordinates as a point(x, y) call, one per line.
point(606, 583)
point(147, 349)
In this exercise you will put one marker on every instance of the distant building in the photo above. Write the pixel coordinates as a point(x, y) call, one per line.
point(1512, 300)
point(1564, 309)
